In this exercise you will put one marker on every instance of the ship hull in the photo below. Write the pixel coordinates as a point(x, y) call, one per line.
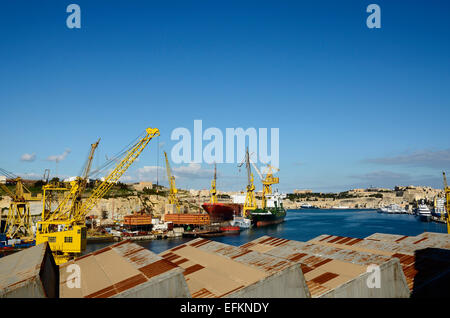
point(221, 212)
point(267, 217)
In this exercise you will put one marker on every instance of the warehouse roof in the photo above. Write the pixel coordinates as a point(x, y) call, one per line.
point(425, 258)
point(214, 269)
point(31, 272)
point(121, 269)
point(325, 267)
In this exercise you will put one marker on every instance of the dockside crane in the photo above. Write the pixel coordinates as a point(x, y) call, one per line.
point(268, 180)
point(18, 222)
point(65, 228)
point(250, 200)
point(173, 198)
point(447, 202)
point(71, 202)
point(213, 191)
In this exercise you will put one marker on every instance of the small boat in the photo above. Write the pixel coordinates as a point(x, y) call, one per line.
point(392, 209)
point(340, 207)
point(230, 229)
point(242, 222)
point(423, 212)
point(212, 234)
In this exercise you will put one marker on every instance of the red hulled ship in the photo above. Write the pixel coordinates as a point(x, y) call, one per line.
point(220, 212)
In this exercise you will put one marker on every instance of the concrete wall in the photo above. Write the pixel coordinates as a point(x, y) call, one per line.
point(49, 274)
point(29, 289)
point(289, 283)
point(392, 284)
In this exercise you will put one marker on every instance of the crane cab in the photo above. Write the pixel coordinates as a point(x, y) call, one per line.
point(62, 236)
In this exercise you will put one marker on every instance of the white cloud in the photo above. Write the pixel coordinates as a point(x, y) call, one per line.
point(148, 173)
point(389, 179)
point(30, 175)
point(424, 158)
point(383, 176)
point(127, 179)
point(28, 157)
point(193, 170)
point(60, 157)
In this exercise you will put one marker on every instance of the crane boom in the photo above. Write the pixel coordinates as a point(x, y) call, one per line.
point(173, 199)
point(87, 167)
point(445, 180)
point(250, 199)
point(67, 237)
point(11, 194)
point(71, 202)
point(213, 191)
point(115, 175)
point(257, 170)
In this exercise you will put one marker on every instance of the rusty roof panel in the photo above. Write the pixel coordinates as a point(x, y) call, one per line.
point(203, 293)
point(294, 251)
point(264, 262)
point(219, 270)
point(157, 268)
point(116, 269)
point(424, 258)
point(325, 266)
point(324, 278)
point(193, 269)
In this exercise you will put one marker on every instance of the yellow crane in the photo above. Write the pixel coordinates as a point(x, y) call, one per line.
point(65, 228)
point(173, 198)
point(250, 199)
point(71, 202)
point(447, 202)
point(18, 221)
point(213, 191)
point(268, 180)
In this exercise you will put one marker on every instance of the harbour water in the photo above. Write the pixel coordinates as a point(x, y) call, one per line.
point(305, 224)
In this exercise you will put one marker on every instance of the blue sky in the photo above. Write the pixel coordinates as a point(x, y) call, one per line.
point(356, 107)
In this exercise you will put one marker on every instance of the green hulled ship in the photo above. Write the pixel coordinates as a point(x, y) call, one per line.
point(274, 213)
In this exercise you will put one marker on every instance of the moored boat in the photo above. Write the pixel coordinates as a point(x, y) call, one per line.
point(423, 212)
point(274, 213)
point(221, 212)
point(243, 223)
point(392, 209)
point(230, 229)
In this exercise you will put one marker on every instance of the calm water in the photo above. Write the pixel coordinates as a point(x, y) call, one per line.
point(305, 224)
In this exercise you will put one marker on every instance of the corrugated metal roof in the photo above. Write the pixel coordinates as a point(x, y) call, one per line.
point(214, 269)
point(324, 267)
point(114, 269)
point(423, 258)
point(21, 268)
